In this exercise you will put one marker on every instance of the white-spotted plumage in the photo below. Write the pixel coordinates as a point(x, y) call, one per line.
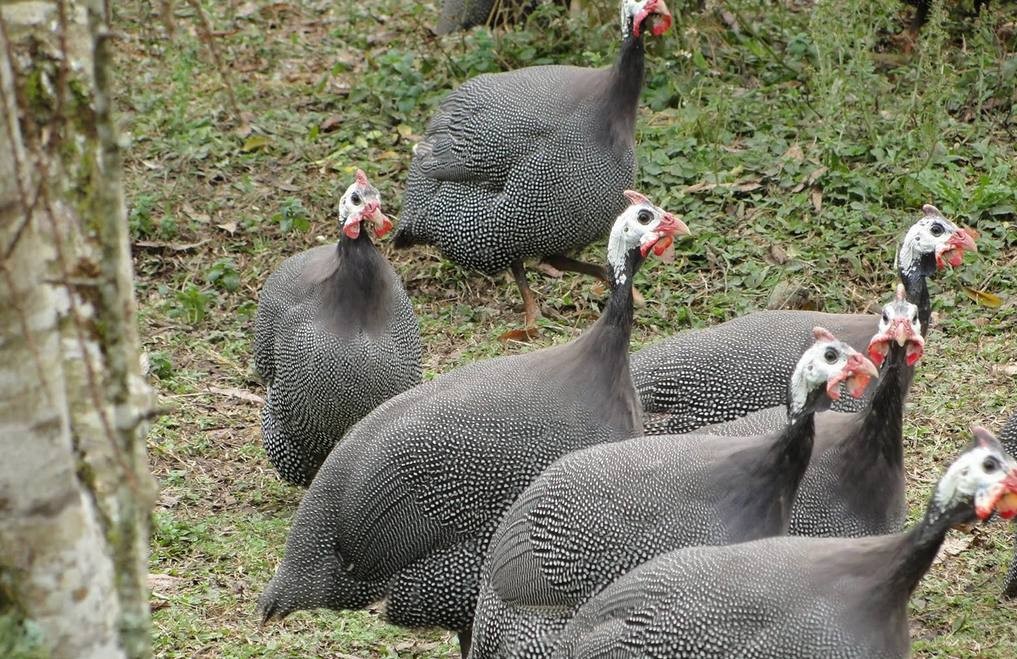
point(526, 163)
point(598, 512)
point(708, 376)
point(779, 598)
point(403, 508)
point(335, 336)
point(855, 482)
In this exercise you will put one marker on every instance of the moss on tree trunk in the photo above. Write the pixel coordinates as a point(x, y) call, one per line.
point(75, 493)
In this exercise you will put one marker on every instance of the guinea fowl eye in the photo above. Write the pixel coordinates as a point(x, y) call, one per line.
point(355, 198)
point(830, 355)
point(990, 465)
point(645, 217)
point(886, 317)
point(936, 229)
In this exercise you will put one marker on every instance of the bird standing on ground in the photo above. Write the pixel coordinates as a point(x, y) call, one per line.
point(599, 512)
point(705, 376)
point(335, 336)
point(855, 483)
point(790, 597)
point(403, 508)
point(531, 163)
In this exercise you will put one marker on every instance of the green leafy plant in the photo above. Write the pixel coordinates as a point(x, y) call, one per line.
point(292, 216)
point(139, 219)
point(191, 304)
point(160, 365)
point(223, 274)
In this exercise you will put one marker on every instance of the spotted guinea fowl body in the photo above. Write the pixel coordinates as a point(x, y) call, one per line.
point(683, 605)
point(598, 512)
point(411, 496)
point(701, 377)
point(855, 484)
point(783, 597)
point(572, 532)
point(855, 481)
point(525, 163)
point(463, 14)
point(335, 336)
point(403, 508)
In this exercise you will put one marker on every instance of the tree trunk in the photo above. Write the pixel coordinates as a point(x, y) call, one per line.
point(74, 487)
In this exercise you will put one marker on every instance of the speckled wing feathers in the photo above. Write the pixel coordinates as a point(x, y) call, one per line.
point(324, 371)
point(449, 462)
point(704, 376)
point(515, 165)
point(774, 598)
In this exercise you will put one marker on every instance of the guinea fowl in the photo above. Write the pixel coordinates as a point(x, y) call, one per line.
point(790, 597)
point(1009, 439)
point(464, 14)
point(855, 481)
point(403, 508)
point(703, 376)
point(335, 336)
point(597, 513)
point(531, 163)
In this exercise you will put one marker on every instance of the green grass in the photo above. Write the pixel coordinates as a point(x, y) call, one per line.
point(796, 141)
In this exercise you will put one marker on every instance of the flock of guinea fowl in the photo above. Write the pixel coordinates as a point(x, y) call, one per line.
point(731, 491)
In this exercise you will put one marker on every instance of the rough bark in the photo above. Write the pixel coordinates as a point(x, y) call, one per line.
point(74, 487)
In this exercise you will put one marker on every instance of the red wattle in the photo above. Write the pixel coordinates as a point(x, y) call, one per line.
point(662, 25)
point(382, 227)
point(352, 229)
point(661, 245)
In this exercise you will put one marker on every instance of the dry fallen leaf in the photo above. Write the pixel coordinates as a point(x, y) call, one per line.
point(168, 500)
point(983, 298)
point(778, 254)
point(1005, 369)
point(331, 123)
point(817, 200)
point(238, 393)
point(229, 227)
point(255, 142)
point(163, 582)
point(698, 187)
point(954, 545)
point(177, 247)
point(247, 10)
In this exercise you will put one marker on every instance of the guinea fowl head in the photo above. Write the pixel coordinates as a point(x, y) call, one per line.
point(640, 15)
point(361, 202)
point(933, 242)
point(823, 367)
point(983, 480)
point(640, 228)
point(898, 324)
point(306, 586)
